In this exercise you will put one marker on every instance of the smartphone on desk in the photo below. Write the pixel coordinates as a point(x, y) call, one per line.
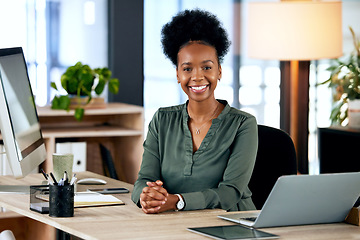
point(109, 190)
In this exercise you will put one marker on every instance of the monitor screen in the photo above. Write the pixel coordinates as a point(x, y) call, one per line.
point(19, 124)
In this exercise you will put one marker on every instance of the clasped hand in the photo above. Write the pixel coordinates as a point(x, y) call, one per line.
point(155, 199)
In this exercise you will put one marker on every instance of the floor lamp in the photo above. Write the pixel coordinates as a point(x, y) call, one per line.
point(295, 31)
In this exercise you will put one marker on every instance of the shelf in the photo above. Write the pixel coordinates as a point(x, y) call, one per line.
point(111, 109)
point(103, 131)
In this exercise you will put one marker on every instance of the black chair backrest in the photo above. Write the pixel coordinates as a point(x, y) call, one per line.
point(108, 163)
point(276, 157)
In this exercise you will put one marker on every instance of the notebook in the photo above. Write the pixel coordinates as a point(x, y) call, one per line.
point(305, 199)
point(90, 199)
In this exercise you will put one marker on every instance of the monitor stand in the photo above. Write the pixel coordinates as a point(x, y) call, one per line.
point(18, 189)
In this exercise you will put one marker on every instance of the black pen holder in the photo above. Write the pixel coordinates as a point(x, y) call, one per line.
point(61, 202)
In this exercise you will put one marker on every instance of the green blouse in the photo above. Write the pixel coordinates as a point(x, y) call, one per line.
point(217, 174)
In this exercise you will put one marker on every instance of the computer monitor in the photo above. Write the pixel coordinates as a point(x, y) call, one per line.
point(19, 123)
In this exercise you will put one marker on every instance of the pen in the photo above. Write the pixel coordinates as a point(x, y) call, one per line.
point(61, 182)
point(73, 180)
point(53, 178)
point(65, 178)
point(43, 173)
point(49, 180)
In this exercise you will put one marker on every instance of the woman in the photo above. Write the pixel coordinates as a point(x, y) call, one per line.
point(199, 154)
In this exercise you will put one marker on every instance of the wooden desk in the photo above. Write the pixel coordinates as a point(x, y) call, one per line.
point(129, 222)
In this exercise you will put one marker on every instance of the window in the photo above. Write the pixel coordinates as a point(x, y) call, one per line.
point(54, 35)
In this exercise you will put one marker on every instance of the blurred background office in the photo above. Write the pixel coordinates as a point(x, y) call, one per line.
point(125, 35)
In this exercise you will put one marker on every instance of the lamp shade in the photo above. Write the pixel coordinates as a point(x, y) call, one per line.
point(295, 30)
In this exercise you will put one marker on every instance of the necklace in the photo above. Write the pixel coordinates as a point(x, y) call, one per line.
point(198, 129)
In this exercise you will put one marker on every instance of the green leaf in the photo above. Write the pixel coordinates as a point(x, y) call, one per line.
point(53, 85)
point(87, 80)
point(72, 85)
point(62, 102)
point(79, 114)
point(70, 71)
point(78, 65)
point(100, 87)
point(55, 103)
point(106, 73)
point(63, 81)
point(83, 91)
point(114, 85)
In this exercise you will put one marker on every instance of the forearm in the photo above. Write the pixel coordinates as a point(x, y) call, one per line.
point(150, 168)
point(224, 197)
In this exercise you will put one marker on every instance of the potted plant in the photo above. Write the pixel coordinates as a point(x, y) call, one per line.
point(80, 82)
point(345, 80)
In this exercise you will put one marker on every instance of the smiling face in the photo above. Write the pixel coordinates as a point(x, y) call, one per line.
point(198, 71)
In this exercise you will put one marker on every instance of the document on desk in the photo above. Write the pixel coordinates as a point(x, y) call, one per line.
point(90, 199)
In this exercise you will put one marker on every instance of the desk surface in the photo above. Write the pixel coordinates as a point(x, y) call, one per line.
point(129, 222)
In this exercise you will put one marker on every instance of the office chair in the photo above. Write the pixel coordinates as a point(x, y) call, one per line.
point(276, 156)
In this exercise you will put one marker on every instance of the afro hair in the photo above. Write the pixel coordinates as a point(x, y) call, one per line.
point(194, 25)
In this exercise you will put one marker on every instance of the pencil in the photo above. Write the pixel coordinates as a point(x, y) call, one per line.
point(53, 178)
point(43, 173)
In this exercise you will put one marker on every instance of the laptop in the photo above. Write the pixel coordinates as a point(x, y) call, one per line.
point(305, 199)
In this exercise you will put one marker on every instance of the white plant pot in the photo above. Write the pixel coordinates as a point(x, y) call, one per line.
point(354, 113)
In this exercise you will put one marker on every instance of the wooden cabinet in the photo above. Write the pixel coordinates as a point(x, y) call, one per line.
point(119, 127)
